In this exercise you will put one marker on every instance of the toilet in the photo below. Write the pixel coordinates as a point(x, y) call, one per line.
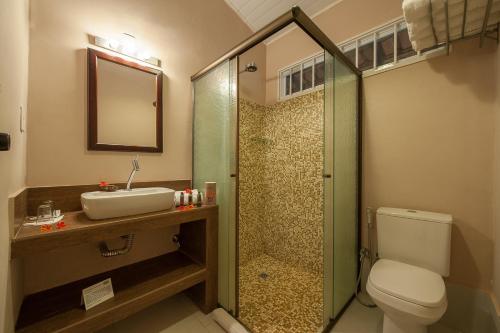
point(406, 282)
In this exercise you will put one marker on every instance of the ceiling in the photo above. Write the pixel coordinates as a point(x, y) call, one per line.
point(257, 13)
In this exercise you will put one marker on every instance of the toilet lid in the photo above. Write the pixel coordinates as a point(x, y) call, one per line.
point(410, 283)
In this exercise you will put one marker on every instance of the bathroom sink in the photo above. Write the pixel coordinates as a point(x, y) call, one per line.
point(103, 205)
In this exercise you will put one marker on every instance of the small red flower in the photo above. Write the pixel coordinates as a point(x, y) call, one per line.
point(45, 227)
point(188, 190)
point(103, 183)
point(60, 225)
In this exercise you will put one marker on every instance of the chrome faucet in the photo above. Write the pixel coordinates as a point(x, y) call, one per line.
point(135, 168)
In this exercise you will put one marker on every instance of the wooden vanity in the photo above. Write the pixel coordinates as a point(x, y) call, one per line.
point(192, 269)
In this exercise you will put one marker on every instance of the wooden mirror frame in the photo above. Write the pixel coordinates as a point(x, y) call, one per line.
point(92, 56)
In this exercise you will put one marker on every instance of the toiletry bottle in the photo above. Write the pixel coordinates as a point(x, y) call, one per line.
point(198, 199)
point(210, 193)
point(181, 199)
point(190, 199)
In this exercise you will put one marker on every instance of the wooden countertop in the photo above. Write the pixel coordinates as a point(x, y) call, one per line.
point(80, 229)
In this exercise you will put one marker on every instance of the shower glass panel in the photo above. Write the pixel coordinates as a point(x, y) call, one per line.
point(214, 136)
point(341, 183)
point(287, 174)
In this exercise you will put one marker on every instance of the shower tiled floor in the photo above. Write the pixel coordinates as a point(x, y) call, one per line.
point(287, 300)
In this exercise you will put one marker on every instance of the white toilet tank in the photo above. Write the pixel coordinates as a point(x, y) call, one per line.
point(415, 237)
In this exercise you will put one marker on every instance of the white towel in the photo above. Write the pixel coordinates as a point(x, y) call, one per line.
point(456, 8)
point(415, 9)
point(474, 4)
point(424, 43)
point(419, 27)
point(228, 323)
point(422, 28)
point(494, 17)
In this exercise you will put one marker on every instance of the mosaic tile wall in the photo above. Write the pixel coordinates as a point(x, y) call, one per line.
point(281, 184)
point(251, 159)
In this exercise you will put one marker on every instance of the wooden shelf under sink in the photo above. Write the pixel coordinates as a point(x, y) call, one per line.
point(135, 286)
point(192, 269)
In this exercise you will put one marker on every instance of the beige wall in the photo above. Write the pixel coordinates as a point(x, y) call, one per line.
point(252, 85)
point(14, 36)
point(428, 131)
point(185, 35)
point(496, 196)
point(428, 141)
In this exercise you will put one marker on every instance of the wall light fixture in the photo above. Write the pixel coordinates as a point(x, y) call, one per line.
point(128, 46)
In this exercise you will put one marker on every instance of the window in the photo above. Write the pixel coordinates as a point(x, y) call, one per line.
point(303, 77)
point(383, 48)
point(365, 53)
point(405, 49)
point(307, 74)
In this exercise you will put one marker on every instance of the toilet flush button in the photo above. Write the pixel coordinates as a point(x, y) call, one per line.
point(4, 141)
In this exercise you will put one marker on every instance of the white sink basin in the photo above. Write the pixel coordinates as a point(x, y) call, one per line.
point(103, 205)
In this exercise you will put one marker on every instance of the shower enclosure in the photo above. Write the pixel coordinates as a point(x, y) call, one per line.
point(288, 180)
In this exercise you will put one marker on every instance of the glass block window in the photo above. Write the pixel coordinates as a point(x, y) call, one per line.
point(302, 77)
point(382, 48)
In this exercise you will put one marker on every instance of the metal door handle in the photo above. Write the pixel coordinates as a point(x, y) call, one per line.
point(327, 175)
point(233, 175)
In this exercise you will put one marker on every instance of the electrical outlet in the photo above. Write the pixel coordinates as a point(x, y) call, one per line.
point(4, 142)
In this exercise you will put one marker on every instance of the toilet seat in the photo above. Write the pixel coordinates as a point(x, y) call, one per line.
point(409, 283)
point(402, 294)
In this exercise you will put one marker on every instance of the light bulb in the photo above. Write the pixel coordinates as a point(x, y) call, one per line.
point(128, 44)
point(144, 55)
point(113, 44)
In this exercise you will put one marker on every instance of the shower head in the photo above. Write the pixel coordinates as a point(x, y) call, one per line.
point(250, 67)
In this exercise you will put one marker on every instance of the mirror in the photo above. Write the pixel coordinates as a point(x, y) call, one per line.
point(125, 105)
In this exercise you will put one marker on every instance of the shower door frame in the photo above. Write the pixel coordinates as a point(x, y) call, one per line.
point(297, 16)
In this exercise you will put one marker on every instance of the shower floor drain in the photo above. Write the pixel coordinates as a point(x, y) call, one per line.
point(263, 275)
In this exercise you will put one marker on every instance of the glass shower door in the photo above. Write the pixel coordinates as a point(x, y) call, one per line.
point(341, 185)
point(214, 160)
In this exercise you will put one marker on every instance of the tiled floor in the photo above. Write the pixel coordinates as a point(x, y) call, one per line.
point(179, 315)
point(360, 319)
point(288, 300)
point(174, 315)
